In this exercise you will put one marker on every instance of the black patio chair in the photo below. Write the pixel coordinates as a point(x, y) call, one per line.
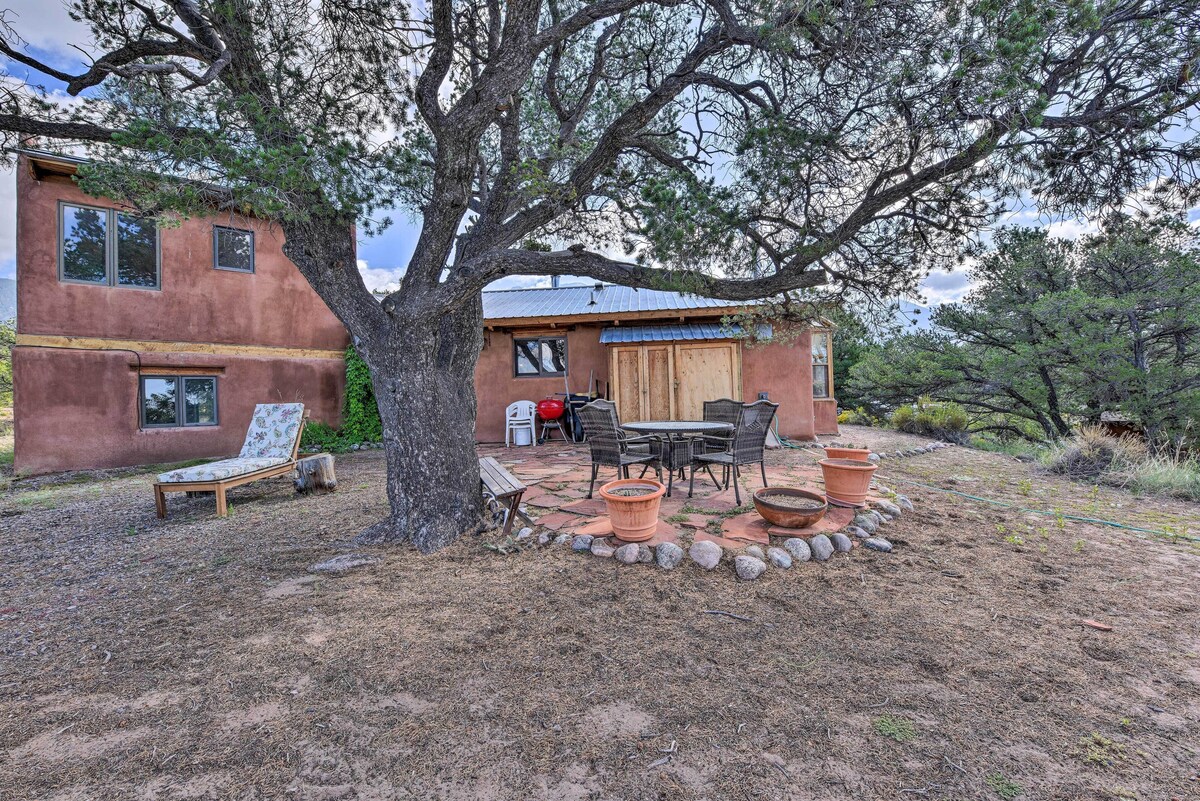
point(723, 410)
point(747, 445)
point(611, 446)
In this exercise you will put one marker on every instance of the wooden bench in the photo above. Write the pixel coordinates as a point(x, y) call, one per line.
point(505, 488)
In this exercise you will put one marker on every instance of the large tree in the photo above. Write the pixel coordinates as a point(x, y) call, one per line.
point(733, 148)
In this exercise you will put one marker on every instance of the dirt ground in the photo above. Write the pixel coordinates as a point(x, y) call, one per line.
point(197, 658)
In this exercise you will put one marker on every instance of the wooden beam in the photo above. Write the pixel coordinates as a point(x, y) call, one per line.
point(155, 346)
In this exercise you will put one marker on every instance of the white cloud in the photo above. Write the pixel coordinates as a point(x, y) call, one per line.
point(379, 277)
point(945, 286)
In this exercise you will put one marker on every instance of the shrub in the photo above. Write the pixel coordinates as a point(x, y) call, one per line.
point(943, 420)
point(360, 414)
point(858, 416)
point(1092, 452)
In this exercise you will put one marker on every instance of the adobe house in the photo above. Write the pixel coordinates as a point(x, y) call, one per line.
point(657, 355)
point(138, 344)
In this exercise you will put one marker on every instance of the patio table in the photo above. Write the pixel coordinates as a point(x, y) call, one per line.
point(675, 433)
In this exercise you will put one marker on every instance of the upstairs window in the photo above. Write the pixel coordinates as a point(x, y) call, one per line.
point(820, 364)
point(107, 247)
point(172, 401)
point(233, 249)
point(544, 356)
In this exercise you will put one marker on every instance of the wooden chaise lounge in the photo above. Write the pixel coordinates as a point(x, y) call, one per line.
point(271, 448)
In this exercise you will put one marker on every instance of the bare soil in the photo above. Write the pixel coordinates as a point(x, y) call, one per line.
point(196, 658)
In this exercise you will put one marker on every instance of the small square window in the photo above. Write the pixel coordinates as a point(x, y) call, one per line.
point(233, 249)
point(161, 406)
point(546, 356)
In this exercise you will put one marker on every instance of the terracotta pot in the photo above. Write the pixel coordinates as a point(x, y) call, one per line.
point(634, 518)
point(788, 516)
point(847, 481)
point(857, 454)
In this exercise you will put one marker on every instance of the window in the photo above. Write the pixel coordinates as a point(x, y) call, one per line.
point(820, 363)
point(107, 247)
point(233, 249)
point(170, 401)
point(546, 356)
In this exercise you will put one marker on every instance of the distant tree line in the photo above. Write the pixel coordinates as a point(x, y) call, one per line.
point(1057, 332)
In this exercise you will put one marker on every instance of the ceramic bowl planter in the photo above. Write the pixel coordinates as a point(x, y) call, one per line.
point(788, 507)
point(633, 507)
point(857, 454)
point(847, 481)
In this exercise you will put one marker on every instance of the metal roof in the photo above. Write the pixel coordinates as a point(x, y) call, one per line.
point(608, 299)
point(676, 332)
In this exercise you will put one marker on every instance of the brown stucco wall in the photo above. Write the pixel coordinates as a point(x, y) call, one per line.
point(825, 412)
point(782, 370)
point(496, 386)
point(78, 409)
point(274, 306)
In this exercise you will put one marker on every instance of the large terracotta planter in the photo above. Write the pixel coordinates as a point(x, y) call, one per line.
point(634, 517)
point(847, 481)
point(857, 454)
point(767, 501)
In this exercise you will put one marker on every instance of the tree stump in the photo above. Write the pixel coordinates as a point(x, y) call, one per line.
point(315, 473)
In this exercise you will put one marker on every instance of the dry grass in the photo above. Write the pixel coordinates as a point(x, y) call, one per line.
point(197, 659)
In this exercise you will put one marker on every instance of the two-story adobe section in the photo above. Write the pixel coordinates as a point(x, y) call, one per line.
point(139, 344)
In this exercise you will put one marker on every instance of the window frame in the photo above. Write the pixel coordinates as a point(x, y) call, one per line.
point(540, 373)
point(110, 248)
point(826, 366)
point(217, 251)
point(180, 401)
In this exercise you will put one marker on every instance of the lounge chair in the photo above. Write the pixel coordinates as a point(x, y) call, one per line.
point(271, 447)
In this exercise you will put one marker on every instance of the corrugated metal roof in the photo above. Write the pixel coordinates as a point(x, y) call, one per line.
point(609, 299)
point(673, 333)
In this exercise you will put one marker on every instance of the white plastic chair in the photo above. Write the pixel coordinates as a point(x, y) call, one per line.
point(518, 416)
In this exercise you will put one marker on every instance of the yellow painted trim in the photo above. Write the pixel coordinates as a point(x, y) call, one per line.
point(152, 346)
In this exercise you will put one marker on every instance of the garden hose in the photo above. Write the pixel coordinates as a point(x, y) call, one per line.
point(1007, 505)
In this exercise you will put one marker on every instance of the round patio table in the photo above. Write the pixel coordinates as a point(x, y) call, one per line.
point(674, 432)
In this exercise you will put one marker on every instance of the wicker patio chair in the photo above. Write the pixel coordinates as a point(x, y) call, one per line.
point(723, 410)
point(746, 446)
point(611, 446)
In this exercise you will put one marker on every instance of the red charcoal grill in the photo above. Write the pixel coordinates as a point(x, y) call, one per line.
point(551, 411)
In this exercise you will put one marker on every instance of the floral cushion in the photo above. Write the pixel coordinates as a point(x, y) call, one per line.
point(273, 430)
point(215, 471)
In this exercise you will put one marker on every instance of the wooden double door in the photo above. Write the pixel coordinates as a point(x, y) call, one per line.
point(672, 380)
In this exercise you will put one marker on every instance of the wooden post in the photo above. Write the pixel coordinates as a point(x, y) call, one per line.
point(315, 474)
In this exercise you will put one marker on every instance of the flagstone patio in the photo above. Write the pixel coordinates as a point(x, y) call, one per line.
point(557, 475)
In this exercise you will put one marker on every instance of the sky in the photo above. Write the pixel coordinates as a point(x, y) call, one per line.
point(47, 29)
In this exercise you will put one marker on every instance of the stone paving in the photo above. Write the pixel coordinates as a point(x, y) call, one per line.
point(557, 478)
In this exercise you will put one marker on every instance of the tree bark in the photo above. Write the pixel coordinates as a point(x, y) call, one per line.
point(423, 372)
point(316, 473)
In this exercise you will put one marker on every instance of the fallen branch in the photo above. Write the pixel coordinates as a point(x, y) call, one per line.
point(728, 614)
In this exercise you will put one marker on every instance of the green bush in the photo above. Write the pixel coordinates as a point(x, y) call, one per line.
point(858, 416)
point(1126, 461)
point(360, 414)
point(943, 420)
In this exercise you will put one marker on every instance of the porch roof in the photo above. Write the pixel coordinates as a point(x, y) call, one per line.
point(674, 333)
point(596, 300)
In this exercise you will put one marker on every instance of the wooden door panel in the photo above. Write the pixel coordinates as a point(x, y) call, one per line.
point(658, 380)
point(628, 372)
point(705, 372)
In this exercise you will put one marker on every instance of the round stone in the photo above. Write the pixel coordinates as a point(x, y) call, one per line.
point(668, 555)
point(602, 548)
point(626, 554)
point(544, 538)
point(865, 522)
point(581, 542)
point(525, 533)
point(645, 555)
point(841, 543)
point(879, 544)
point(561, 538)
point(779, 558)
point(888, 508)
point(756, 552)
point(748, 568)
point(904, 503)
point(874, 458)
point(798, 549)
point(879, 519)
point(856, 532)
point(706, 554)
point(821, 547)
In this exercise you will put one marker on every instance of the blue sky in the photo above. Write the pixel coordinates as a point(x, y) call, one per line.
point(47, 29)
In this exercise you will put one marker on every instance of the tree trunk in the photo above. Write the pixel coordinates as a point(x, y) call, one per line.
point(423, 372)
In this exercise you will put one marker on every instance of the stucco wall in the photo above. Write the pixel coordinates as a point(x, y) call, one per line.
point(825, 412)
point(273, 306)
point(784, 371)
point(496, 386)
point(78, 409)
